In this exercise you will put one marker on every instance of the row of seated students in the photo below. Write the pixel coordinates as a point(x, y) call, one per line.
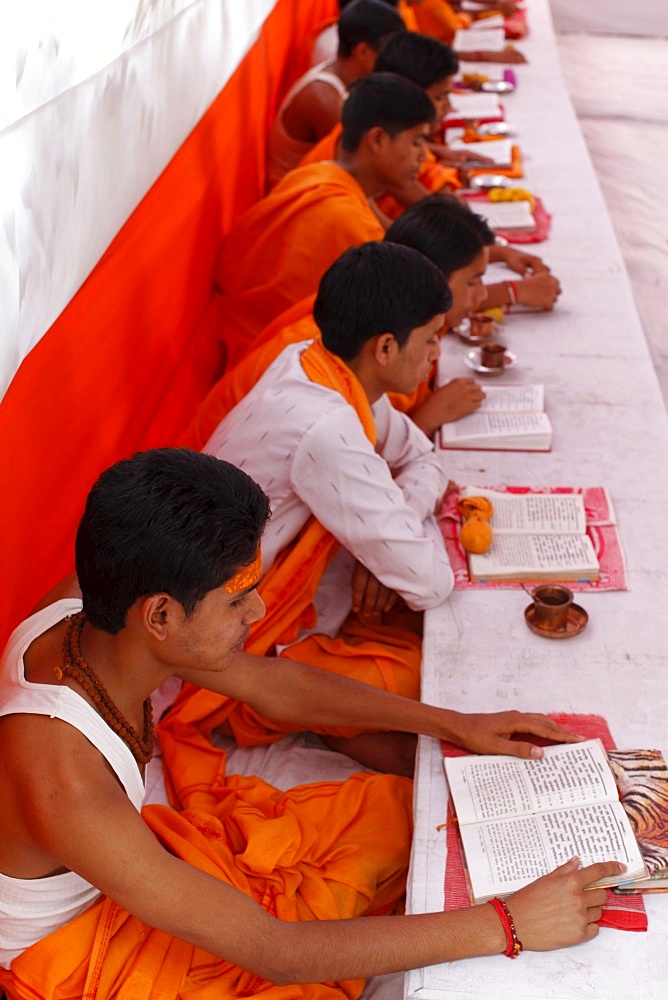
point(276, 564)
point(437, 18)
point(276, 252)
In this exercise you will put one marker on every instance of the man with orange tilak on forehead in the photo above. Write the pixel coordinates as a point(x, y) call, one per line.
point(239, 889)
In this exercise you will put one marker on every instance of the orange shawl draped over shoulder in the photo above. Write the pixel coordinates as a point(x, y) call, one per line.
point(287, 589)
point(438, 19)
point(294, 325)
point(276, 253)
point(434, 175)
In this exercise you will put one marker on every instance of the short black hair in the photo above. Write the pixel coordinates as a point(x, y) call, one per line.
point(168, 520)
point(384, 100)
point(444, 230)
point(345, 3)
point(369, 21)
point(377, 288)
point(419, 58)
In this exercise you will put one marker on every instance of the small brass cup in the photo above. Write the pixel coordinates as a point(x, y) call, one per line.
point(551, 604)
point(493, 355)
point(482, 326)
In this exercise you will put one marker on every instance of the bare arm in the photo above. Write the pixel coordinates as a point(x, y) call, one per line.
point(313, 113)
point(455, 157)
point(518, 260)
point(536, 291)
point(288, 691)
point(408, 194)
point(80, 818)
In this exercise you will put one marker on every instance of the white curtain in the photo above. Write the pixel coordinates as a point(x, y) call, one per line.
point(95, 98)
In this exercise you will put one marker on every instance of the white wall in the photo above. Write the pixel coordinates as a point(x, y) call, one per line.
point(95, 98)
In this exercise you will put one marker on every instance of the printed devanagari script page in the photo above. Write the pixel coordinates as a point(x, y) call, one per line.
point(535, 513)
point(519, 819)
point(486, 787)
point(503, 855)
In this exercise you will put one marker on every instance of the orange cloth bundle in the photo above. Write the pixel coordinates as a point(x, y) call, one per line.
point(311, 853)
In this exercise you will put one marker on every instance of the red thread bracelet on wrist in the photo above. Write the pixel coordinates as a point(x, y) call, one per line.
point(513, 296)
point(513, 944)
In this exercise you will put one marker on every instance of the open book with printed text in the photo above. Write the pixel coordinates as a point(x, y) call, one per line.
point(500, 151)
point(510, 418)
point(505, 214)
point(536, 536)
point(519, 819)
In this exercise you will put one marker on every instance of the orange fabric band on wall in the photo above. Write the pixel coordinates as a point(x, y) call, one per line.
point(125, 365)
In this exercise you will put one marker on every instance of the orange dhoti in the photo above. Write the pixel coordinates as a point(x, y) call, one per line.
point(312, 853)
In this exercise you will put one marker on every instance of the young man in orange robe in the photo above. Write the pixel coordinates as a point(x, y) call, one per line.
point(460, 244)
point(276, 253)
point(432, 66)
point(313, 104)
point(240, 889)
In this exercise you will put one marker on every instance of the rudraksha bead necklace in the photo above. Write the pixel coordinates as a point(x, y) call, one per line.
point(79, 670)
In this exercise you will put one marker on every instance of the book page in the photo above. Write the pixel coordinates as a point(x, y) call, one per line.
point(494, 787)
point(474, 106)
point(534, 513)
point(495, 424)
point(536, 556)
point(501, 152)
point(519, 398)
point(504, 855)
point(474, 39)
point(504, 214)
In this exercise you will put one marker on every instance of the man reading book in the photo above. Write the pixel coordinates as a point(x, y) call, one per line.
point(239, 889)
point(353, 483)
point(449, 235)
point(313, 104)
point(275, 254)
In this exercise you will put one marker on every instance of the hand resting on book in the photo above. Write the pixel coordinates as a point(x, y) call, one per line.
point(493, 732)
point(455, 399)
point(558, 909)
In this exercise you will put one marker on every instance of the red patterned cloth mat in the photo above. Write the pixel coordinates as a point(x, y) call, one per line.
point(625, 913)
point(516, 24)
point(601, 530)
